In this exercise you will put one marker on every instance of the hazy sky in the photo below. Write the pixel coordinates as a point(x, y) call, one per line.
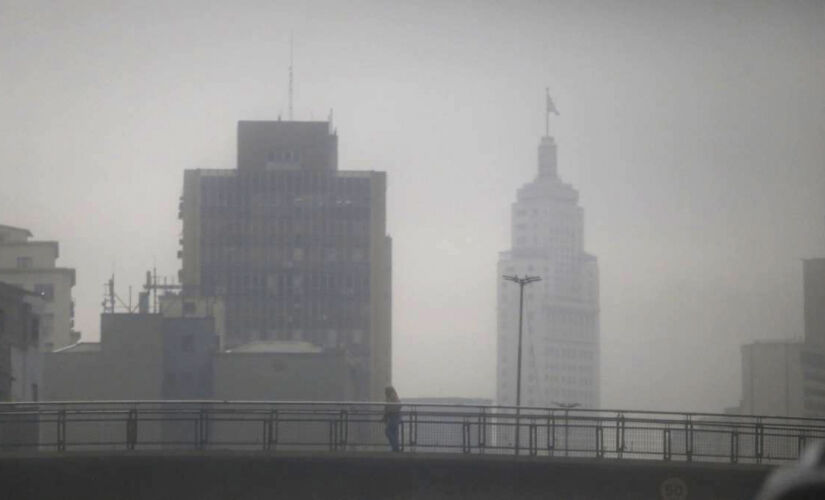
point(694, 131)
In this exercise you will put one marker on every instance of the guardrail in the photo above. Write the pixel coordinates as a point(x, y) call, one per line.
point(352, 426)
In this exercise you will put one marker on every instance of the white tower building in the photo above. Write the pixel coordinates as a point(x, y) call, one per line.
point(560, 352)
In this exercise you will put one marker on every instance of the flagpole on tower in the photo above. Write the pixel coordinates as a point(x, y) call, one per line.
point(551, 108)
point(547, 113)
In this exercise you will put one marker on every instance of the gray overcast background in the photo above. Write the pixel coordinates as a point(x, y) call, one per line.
point(695, 132)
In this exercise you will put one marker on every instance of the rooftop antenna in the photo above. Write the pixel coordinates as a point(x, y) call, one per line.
point(290, 77)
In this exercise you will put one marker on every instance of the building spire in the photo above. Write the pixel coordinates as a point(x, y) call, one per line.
point(551, 108)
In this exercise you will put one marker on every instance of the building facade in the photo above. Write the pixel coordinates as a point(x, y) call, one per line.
point(31, 265)
point(296, 249)
point(813, 284)
point(787, 378)
point(560, 353)
point(20, 357)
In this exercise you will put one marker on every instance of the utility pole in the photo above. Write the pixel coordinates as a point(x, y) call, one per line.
point(526, 280)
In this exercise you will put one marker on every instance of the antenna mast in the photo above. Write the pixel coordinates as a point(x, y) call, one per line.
point(290, 77)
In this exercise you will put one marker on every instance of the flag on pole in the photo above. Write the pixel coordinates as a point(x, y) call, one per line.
point(551, 108)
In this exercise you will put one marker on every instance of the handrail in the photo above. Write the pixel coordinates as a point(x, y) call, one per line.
point(430, 427)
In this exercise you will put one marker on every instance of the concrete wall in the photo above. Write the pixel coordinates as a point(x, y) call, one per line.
point(282, 377)
point(128, 364)
point(258, 476)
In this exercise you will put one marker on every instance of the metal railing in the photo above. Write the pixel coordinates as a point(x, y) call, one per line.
point(351, 426)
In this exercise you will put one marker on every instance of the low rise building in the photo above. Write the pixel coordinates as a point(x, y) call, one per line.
point(20, 363)
point(787, 378)
point(20, 358)
point(31, 265)
point(175, 355)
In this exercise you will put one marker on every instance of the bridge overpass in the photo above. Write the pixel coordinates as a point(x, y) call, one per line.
point(250, 450)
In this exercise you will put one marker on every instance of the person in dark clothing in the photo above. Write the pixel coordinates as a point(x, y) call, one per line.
point(392, 417)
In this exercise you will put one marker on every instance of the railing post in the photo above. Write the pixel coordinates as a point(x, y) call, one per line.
point(413, 427)
point(61, 430)
point(666, 445)
point(599, 439)
point(688, 438)
point(759, 437)
point(566, 432)
point(202, 429)
point(620, 435)
point(343, 432)
point(551, 432)
point(534, 437)
point(734, 446)
point(333, 434)
point(401, 435)
point(131, 429)
point(482, 430)
point(465, 435)
point(272, 425)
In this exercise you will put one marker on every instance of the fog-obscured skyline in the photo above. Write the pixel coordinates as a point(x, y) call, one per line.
point(693, 132)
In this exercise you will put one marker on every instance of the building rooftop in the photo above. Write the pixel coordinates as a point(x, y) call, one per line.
point(14, 228)
point(277, 346)
point(14, 233)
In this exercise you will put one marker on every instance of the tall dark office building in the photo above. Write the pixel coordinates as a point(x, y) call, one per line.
point(297, 249)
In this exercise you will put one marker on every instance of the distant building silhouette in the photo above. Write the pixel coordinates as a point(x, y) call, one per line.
point(560, 355)
point(31, 265)
point(787, 377)
point(297, 249)
point(813, 283)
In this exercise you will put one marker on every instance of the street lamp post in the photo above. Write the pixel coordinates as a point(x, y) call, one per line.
point(526, 280)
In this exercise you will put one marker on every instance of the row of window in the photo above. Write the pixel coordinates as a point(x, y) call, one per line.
point(234, 190)
point(327, 337)
point(280, 256)
point(318, 314)
point(353, 284)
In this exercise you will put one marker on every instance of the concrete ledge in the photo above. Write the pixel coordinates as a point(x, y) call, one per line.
point(346, 475)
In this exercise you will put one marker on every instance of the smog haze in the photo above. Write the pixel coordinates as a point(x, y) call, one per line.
point(693, 132)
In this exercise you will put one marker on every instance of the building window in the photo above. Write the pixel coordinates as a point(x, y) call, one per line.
point(35, 393)
point(24, 262)
point(188, 307)
point(45, 291)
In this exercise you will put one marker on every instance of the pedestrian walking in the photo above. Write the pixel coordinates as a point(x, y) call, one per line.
point(392, 417)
